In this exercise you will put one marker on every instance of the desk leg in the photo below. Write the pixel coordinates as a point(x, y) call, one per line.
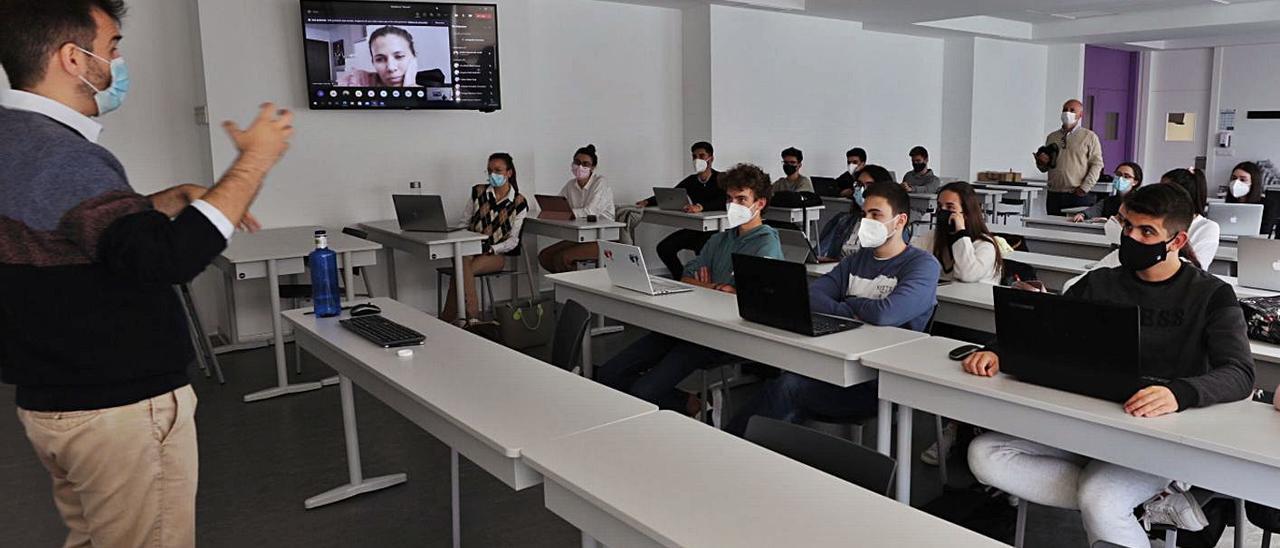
point(455, 493)
point(349, 278)
point(600, 328)
point(390, 261)
point(357, 484)
point(904, 454)
point(1240, 523)
point(884, 428)
point(457, 281)
point(589, 542)
point(282, 387)
point(588, 368)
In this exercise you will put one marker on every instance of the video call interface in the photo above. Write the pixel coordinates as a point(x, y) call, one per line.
point(376, 55)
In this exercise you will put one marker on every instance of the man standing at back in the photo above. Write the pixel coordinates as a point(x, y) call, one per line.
point(93, 334)
point(1075, 167)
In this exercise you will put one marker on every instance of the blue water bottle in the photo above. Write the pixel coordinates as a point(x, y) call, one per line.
point(324, 278)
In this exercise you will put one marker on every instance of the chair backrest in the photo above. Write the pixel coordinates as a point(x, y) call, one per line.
point(841, 458)
point(566, 345)
point(1105, 544)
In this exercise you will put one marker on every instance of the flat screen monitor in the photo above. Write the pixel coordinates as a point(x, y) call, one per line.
point(401, 55)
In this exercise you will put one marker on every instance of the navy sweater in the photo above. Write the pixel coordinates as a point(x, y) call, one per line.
point(88, 315)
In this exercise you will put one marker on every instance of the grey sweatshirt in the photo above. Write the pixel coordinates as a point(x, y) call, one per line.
point(1193, 331)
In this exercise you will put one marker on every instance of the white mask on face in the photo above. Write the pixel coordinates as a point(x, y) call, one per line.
point(853, 168)
point(1112, 229)
point(739, 214)
point(699, 165)
point(1069, 119)
point(872, 233)
point(1239, 188)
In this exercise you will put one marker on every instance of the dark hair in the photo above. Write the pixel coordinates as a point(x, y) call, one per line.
point(1172, 204)
point(1192, 182)
point(36, 29)
point(878, 173)
point(857, 151)
point(892, 192)
point(589, 150)
point(703, 145)
point(748, 177)
point(975, 225)
point(1137, 172)
point(918, 151)
point(793, 151)
point(1255, 184)
point(511, 165)
point(396, 31)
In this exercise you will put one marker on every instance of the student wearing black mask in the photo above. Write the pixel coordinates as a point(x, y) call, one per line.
point(961, 242)
point(855, 160)
point(794, 181)
point(1193, 332)
point(920, 178)
point(706, 193)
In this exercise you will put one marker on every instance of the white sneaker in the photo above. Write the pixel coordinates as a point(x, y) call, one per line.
point(930, 455)
point(1175, 508)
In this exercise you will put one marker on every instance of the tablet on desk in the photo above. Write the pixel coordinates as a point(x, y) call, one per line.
point(554, 208)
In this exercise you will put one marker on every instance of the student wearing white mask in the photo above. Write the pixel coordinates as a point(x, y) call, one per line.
point(1246, 188)
point(1128, 177)
point(1074, 170)
point(589, 195)
point(651, 367)
point(706, 193)
point(855, 160)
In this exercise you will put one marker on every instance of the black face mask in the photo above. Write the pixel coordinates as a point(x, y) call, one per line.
point(943, 225)
point(789, 169)
point(919, 167)
point(1137, 256)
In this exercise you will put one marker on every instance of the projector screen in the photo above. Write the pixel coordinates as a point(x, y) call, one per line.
point(401, 55)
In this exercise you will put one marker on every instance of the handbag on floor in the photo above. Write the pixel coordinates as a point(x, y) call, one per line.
point(526, 323)
point(1262, 317)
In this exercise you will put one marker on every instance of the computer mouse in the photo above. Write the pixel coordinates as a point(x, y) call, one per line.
point(365, 310)
point(963, 352)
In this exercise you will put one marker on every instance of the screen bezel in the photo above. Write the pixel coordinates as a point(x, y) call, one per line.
point(443, 105)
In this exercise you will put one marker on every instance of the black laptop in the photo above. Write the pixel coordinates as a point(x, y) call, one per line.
point(775, 293)
point(825, 187)
point(1080, 346)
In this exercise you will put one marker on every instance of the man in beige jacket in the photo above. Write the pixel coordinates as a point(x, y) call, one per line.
point(1078, 162)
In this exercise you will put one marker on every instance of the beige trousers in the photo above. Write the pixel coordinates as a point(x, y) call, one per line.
point(123, 476)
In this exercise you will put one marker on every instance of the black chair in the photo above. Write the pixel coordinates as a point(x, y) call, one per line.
point(1268, 519)
point(841, 458)
point(566, 344)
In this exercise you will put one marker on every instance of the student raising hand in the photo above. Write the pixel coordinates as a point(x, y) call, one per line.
point(1152, 401)
point(982, 364)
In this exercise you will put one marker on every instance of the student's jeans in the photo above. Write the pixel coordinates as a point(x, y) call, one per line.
point(652, 367)
point(670, 247)
point(796, 398)
point(1056, 201)
point(1104, 493)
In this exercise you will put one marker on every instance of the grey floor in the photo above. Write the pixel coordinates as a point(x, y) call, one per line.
point(259, 461)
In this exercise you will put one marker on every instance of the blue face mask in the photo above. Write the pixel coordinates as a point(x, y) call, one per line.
point(858, 196)
point(1121, 184)
point(497, 179)
point(112, 97)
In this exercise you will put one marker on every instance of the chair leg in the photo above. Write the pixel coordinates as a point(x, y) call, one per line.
point(855, 433)
point(702, 406)
point(1020, 533)
point(942, 451)
point(727, 407)
point(440, 294)
point(1266, 539)
point(297, 351)
point(488, 309)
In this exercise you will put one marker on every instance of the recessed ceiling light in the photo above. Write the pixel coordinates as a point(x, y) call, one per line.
point(1223, 2)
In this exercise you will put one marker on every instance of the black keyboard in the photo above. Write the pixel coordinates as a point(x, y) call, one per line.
point(826, 325)
point(383, 332)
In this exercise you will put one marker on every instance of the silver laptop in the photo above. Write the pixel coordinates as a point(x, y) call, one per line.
point(1259, 263)
point(796, 247)
point(671, 199)
point(421, 213)
point(625, 265)
point(1237, 219)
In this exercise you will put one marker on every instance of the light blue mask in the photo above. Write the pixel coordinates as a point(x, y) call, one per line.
point(497, 179)
point(1121, 184)
point(111, 98)
point(858, 195)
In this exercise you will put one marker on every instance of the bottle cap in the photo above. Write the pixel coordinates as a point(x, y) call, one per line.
point(404, 353)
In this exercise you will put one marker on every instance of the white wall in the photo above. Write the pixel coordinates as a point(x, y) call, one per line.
point(957, 107)
point(1249, 83)
point(1178, 82)
point(1064, 79)
point(820, 85)
point(1008, 105)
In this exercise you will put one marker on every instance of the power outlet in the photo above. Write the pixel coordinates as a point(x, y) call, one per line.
point(202, 115)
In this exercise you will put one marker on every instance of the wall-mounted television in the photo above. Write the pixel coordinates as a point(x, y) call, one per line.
point(401, 55)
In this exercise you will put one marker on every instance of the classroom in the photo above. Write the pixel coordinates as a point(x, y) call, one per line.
point(681, 273)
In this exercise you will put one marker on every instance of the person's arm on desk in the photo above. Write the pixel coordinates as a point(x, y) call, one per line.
point(913, 296)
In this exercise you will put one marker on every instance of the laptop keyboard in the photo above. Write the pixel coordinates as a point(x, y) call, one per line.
point(662, 284)
point(825, 325)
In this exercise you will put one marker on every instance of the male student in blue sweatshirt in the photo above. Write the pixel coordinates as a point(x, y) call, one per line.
point(887, 282)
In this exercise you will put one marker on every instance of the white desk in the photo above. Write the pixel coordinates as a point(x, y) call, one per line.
point(821, 269)
point(1096, 246)
point(1027, 193)
point(277, 252)
point(1065, 224)
point(1055, 270)
point(665, 480)
point(485, 401)
point(706, 221)
point(432, 245)
point(799, 216)
point(1224, 448)
point(577, 230)
point(1098, 188)
point(710, 318)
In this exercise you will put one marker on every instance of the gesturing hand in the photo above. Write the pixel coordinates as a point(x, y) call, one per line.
point(267, 138)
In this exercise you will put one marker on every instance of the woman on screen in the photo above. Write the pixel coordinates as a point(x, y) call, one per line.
point(395, 61)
